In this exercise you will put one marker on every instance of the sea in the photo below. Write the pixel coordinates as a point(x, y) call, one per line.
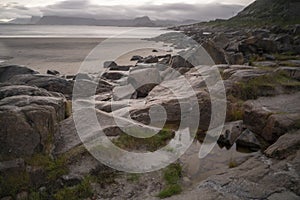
point(53, 31)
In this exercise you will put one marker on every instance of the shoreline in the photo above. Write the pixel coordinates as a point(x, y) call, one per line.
point(67, 54)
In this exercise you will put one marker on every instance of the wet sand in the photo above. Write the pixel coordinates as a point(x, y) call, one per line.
point(62, 54)
point(67, 54)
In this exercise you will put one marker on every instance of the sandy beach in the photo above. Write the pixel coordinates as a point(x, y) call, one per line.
point(66, 54)
point(62, 54)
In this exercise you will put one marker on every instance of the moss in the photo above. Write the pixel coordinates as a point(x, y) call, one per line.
point(13, 182)
point(153, 143)
point(55, 168)
point(170, 191)
point(81, 191)
point(286, 56)
point(253, 88)
point(133, 177)
point(172, 175)
point(68, 109)
point(232, 164)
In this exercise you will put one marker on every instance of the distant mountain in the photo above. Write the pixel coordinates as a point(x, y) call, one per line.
point(144, 21)
point(28, 20)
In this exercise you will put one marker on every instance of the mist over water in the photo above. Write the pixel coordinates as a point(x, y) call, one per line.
point(50, 31)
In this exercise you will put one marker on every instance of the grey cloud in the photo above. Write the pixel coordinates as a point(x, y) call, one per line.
point(15, 10)
point(83, 8)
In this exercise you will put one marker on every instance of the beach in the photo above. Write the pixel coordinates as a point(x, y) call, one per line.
point(67, 54)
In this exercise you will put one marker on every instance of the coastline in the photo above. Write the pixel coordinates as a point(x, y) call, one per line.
point(67, 54)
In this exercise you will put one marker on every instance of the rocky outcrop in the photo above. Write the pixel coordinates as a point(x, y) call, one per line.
point(48, 82)
point(271, 117)
point(29, 122)
point(7, 72)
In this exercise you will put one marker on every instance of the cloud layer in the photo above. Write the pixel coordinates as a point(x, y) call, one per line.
point(83, 8)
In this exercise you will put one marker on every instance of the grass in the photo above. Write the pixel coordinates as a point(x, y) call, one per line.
point(133, 177)
point(153, 143)
point(80, 191)
point(235, 111)
point(13, 182)
point(172, 175)
point(54, 168)
point(255, 87)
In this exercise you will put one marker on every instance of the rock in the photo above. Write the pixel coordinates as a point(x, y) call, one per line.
point(267, 45)
point(151, 59)
point(179, 62)
point(83, 76)
point(37, 118)
point(292, 72)
point(271, 117)
point(244, 75)
point(217, 54)
point(109, 64)
point(297, 30)
point(50, 83)
point(52, 72)
point(265, 64)
point(137, 58)
point(231, 131)
point(7, 72)
point(67, 138)
point(221, 41)
point(247, 139)
point(233, 46)
point(269, 57)
point(22, 195)
point(124, 92)
point(114, 75)
point(285, 42)
point(285, 146)
point(12, 165)
point(235, 58)
point(144, 80)
point(161, 95)
point(15, 90)
point(87, 88)
point(71, 180)
point(120, 68)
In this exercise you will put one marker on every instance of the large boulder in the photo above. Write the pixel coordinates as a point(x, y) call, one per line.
point(7, 72)
point(174, 97)
point(216, 53)
point(230, 133)
point(144, 80)
point(286, 145)
point(48, 82)
point(15, 90)
point(179, 62)
point(28, 123)
point(271, 117)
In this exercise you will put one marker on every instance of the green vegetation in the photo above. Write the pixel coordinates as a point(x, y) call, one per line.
point(54, 168)
point(232, 163)
point(13, 182)
point(80, 191)
point(170, 190)
point(235, 111)
point(133, 177)
point(172, 175)
point(153, 143)
point(259, 86)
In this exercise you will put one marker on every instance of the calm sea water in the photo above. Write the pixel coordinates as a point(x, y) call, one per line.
point(7, 31)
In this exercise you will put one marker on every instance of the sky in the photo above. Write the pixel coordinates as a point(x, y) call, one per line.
point(116, 9)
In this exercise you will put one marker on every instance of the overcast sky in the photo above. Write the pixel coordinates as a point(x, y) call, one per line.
point(116, 9)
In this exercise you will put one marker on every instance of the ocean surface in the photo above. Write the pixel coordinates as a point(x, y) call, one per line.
point(49, 31)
